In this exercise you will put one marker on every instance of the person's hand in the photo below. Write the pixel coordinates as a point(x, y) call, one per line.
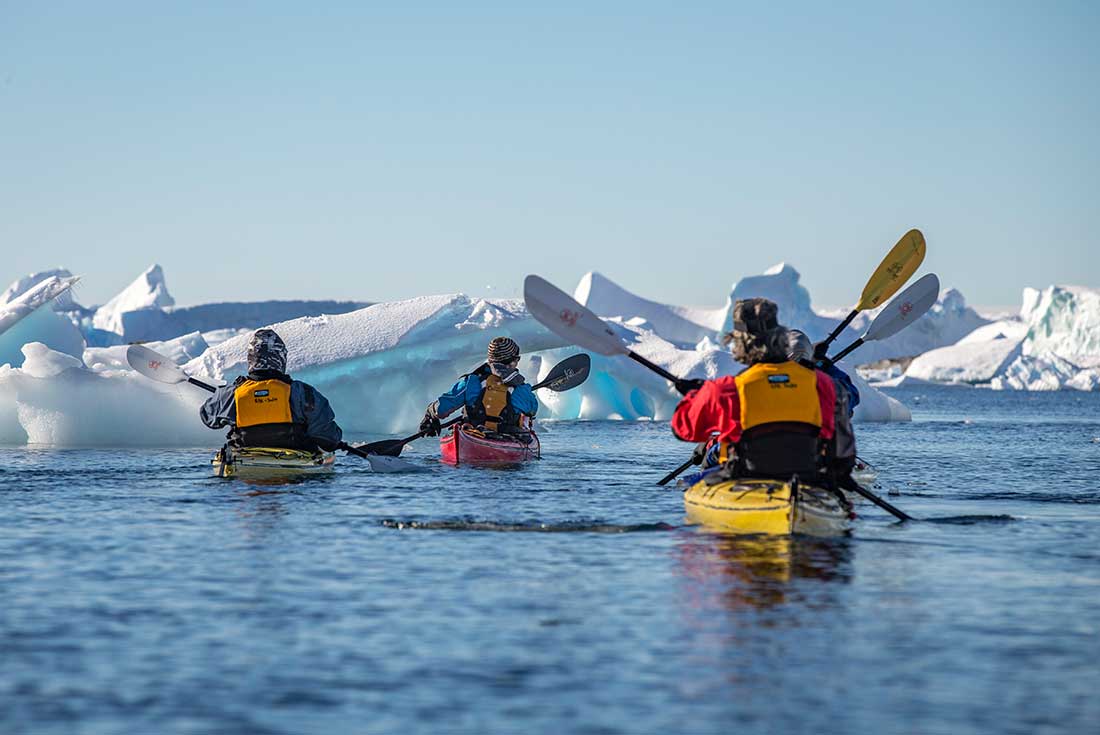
point(687, 385)
point(700, 452)
point(429, 425)
point(819, 350)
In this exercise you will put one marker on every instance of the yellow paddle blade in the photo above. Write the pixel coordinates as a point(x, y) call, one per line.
point(894, 270)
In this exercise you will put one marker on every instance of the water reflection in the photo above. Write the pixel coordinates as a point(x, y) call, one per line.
point(763, 572)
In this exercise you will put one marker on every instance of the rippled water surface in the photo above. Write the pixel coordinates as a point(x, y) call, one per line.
point(138, 594)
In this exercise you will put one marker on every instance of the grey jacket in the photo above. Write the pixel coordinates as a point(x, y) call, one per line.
point(307, 407)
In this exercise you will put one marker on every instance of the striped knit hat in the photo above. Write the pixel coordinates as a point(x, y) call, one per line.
point(503, 349)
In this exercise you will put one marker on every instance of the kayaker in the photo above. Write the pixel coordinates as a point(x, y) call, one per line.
point(771, 419)
point(494, 396)
point(266, 408)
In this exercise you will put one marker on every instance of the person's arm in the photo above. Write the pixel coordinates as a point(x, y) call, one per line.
point(316, 413)
point(845, 382)
point(826, 395)
point(455, 398)
point(524, 401)
point(713, 409)
point(220, 409)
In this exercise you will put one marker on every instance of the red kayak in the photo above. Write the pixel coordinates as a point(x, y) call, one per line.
point(467, 444)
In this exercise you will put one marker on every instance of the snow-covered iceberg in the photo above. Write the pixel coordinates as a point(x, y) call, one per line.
point(380, 366)
point(29, 317)
point(1054, 344)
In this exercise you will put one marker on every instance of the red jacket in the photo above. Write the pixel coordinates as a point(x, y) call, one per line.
point(716, 408)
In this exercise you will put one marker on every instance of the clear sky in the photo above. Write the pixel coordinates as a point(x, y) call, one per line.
point(282, 150)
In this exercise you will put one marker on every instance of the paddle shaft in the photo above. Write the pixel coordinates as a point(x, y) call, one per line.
point(840, 328)
point(844, 353)
point(849, 484)
point(199, 383)
point(655, 368)
point(671, 475)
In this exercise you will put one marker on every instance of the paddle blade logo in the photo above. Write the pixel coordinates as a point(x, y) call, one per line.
point(906, 308)
point(154, 364)
point(569, 317)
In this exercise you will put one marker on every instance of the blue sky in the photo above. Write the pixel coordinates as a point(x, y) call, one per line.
point(276, 150)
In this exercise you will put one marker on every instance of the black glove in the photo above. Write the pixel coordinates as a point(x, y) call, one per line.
point(687, 385)
point(429, 425)
point(819, 350)
point(700, 452)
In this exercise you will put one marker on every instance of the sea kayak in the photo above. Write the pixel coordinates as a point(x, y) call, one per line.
point(766, 507)
point(466, 444)
point(270, 462)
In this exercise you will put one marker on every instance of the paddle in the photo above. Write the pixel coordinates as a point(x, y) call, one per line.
point(892, 273)
point(849, 484)
point(563, 316)
point(910, 305)
point(566, 375)
point(156, 366)
point(672, 475)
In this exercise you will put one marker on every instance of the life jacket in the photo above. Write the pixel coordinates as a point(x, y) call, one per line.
point(264, 418)
point(493, 410)
point(780, 421)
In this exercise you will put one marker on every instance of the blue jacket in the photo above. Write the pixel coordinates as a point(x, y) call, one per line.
point(467, 392)
point(843, 380)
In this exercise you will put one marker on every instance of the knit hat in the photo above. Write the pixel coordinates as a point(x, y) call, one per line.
point(266, 351)
point(503, 349)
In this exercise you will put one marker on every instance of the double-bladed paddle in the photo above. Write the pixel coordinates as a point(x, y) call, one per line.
point(895, 269)
point(156, 366)
point(563, 316)
point(566, 375)
point(909, 306)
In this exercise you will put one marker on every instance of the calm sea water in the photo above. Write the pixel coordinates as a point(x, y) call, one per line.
point(138, 594)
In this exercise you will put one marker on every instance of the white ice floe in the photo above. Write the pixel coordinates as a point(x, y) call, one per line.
point(30, 318)
point(53, 400)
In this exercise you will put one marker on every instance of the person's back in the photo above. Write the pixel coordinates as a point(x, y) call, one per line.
point(495, 396)
point(769, 418)
point(267, 408)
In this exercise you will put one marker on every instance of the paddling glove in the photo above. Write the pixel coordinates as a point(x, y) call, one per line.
point(686, 386)
point(430, 423)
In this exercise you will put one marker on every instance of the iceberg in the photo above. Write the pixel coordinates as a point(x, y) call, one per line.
point(1053, 345)
point(29, 318)
point(145, 312)
point(148, 291)
point(379, 365)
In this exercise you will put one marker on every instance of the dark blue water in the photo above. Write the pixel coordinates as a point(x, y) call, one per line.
point(140, 595)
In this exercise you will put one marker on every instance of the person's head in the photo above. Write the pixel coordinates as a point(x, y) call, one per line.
point(799, 347)
point(757, 336)
point(503, 350)
point(266, 351)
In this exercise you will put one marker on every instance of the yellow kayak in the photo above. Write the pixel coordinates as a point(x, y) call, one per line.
point(270, 462)
point(767, 507)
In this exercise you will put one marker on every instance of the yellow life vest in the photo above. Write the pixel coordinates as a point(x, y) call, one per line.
point(262, 402)
point(778, 392)
point(494, 399)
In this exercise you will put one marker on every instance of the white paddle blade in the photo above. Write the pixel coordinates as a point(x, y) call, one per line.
point(907, 307)
point(154, 365)
point(563, 316)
